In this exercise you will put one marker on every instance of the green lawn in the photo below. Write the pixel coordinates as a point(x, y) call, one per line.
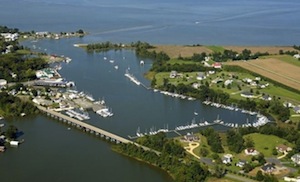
point(216, 48)
point(265, 143)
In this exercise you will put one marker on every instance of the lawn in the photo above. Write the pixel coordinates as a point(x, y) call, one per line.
point(266, 143)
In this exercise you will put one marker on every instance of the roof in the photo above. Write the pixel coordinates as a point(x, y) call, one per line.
point(268, 167)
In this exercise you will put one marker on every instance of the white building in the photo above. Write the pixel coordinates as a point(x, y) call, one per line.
point(3, 83)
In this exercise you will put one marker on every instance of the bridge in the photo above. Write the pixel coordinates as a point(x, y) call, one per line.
point(90, 128)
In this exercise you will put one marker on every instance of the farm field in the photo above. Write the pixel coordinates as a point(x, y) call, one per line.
point(285, 73)
point(262, 49)
point(185, 51)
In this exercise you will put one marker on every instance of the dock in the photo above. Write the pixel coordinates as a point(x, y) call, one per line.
point(90, 128)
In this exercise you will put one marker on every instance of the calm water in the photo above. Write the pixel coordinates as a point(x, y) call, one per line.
point(234, 22)
point(53, 153)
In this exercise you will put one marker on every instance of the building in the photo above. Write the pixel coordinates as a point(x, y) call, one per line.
point(3, 83)
point(241, 163)
point(297, 56)
point(266, 98)
point(10, 36)
point(227, 159)
point(217, 65)
point(268, 168)
point(173, 74)
point(283, 148)
point(2, 148)
point(247, 95)
point(201, 76)
point(251, 151)
point(297, 109)
point(228, 82)
point(296, 159)
point(191, 137)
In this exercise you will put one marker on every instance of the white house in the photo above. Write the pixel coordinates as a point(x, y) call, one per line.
point(201, 76)
point(296, 159)
point(228, 82)
point(297, 56)
point(251, 151)
point(227, 159)
point(173, 74)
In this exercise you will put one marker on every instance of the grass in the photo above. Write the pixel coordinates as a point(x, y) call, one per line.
point(177, 61)
point(216, 48)
point(266, 143)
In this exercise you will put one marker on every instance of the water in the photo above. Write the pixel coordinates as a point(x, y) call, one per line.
point(51, 152)
point(235, 22)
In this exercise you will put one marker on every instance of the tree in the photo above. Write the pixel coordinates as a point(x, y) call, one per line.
point(259, 176)
point(249, 143)
point(204, 152)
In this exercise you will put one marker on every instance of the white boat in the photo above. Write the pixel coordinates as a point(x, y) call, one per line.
point(116, 67)
point(142, 62)
point(105, 112)
point(111, 61)
point(195, 113)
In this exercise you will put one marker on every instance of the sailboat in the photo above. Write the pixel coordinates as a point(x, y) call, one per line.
point(195, 113)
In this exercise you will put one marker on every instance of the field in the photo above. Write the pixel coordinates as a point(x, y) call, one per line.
point(280, 71)
point(261, 49)
point(266, 143)
point(185, 51)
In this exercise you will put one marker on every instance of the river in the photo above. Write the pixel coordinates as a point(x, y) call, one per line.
point(51, 152)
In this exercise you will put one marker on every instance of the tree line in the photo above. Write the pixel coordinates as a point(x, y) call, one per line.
point(171, 159)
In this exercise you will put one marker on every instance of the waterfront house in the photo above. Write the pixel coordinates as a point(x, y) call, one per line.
point(251, 151)
point(268, 168)
point(173, 74)
point(290, 179)
point(266, 98)
point(247, 95)
point(283, 148)
point(228, 82)
point(196, 85)
point(190, 137)
point(296, 158)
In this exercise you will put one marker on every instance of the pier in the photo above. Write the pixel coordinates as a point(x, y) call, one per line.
point(89, 128)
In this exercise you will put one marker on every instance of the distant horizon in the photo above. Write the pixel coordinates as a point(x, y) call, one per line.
point(254, 23)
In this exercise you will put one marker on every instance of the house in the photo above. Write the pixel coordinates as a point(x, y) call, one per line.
point(296, 158)
point(228, 82)
point(266, 98)
point(268, 168)
point(201, 76)
point(191, 137)
point(2, 83)
point(211, 72)
point(217, 65)
point(297, 109)
point(283, 148)
point(251, 151)
point(247, 95)
point(227, 159)
point(196, 85)
point(286, 178)
point(173, 74)
point(297, 56)
point(241, 163)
